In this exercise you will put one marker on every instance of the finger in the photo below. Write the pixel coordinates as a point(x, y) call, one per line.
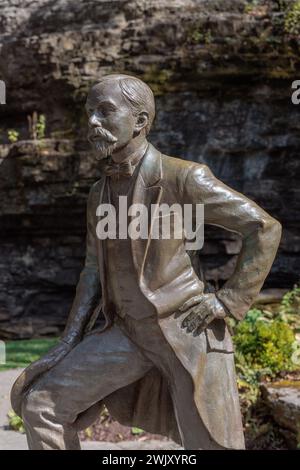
point(189, 319)
point(193, 324)
point(191, 302)
point(202, 312)
point(186, 312)
point(196, 320)
point(204, 325)
point(201, 318)
point(177, 314)
point(207, 320)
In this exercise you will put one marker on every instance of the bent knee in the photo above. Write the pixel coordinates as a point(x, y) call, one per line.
point(42, 404)
point(34, 404)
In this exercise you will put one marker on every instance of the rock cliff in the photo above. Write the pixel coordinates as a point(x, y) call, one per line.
point(221, 72)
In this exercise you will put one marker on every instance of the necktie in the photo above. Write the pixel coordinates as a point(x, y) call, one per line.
point(117, 170)
point(122, 169)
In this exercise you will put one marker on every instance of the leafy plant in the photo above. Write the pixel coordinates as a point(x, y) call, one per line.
point(289, 309)
point(136, 431)
point(41, 126)
point(88, 432)
point(198, 36)
point(13, 135)
point(15, 422)
point(37, 126)
point(266, 345)
point(292, 19)
point(252, 5)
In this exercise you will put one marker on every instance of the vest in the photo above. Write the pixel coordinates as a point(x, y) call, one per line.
point(124, 294)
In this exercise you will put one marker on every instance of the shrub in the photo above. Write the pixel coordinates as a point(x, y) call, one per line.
point(266, 345)
point(292, 19)
point(37, 126)
point(289, 309)
point(12, 135)
point(41, 126)
point(15, 422)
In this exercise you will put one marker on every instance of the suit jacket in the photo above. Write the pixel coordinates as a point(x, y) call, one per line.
point(167, 278)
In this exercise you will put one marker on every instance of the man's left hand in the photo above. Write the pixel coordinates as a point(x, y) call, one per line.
point(199, 316)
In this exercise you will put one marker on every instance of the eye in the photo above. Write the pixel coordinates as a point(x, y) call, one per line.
point(103, 110)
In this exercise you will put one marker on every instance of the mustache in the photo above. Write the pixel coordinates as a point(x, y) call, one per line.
point(99, 132)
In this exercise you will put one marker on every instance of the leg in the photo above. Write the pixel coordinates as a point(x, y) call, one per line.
point(192, 429)
point(92, 370)
point(193, 432)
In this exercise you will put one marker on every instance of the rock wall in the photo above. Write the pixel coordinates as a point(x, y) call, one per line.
point(221, 72)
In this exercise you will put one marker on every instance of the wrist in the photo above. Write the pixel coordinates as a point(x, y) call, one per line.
point(70, 339)
point(226, 311)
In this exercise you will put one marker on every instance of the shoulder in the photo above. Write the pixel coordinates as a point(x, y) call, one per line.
point(184, 170)
point(94, 193)
point(96, 186)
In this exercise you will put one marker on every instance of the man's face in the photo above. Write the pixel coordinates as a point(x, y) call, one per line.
point(111, 122)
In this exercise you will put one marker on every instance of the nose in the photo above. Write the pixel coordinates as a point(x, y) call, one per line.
point(94, 121)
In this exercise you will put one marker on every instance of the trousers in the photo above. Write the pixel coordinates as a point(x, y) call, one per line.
point(99, 365)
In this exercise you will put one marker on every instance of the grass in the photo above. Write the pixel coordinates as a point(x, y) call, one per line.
point(21, 353)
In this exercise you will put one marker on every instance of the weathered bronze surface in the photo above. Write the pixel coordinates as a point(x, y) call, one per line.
point(164, 359)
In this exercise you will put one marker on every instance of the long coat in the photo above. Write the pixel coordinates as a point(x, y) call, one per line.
point(168, 279)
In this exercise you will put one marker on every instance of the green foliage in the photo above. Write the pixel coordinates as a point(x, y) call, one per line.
point(292, 19)
point(290, 308)
point(21, 353)
point(88, 432)
point(251, 5)
point(12, 135)
point(199, 36)
point(136, 431)
point(266, 345)
point(15, 422)
point(37, 126)
point(159, 79)
point(41, 127)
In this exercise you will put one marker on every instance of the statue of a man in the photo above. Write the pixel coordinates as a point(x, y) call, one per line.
point(164, 359)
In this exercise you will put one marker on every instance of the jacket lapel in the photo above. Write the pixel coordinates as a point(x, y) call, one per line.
point(101, 261)
point(147, 191)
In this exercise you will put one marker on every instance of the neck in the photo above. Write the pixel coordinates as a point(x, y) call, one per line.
point(133, 147)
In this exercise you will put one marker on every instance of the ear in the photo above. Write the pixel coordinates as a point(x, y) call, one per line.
point(142, 120)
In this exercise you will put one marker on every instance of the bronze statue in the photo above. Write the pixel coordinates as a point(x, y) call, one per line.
point(164, 359)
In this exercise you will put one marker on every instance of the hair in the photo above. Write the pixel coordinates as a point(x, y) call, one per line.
point(137, 93)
